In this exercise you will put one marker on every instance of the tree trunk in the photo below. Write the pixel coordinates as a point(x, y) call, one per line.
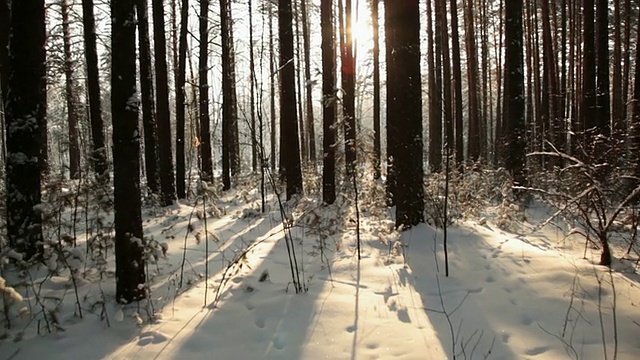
point(375, 19)
point(329, 102)
point(129, 242)
point(441, 17)
point(457, 84)
point(435, 92)
point(99, 153)
point(349, 96)
point(252, 88)
point(203, 76)
point(474, 145)
point(148, 104)
point(235, 160)
point(602, 86)
point(404, 97)
point(25, 115)
point(299, 102)
point(72, 110)
point(288, 116)
point(514, 111)
point(310, 126)
point(5, 23)
point(272, 91)
point(180, 101)
point(167, 184)
point(227, 110)
point(588, 68)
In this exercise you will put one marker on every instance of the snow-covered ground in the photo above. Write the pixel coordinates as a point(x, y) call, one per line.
point(529, 295)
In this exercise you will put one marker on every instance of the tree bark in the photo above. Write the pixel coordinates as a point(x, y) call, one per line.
point(288, 116)
point(203, 76)
point(473, 145)
point(457, 84)
point(404, 97)
point(148, 104)
point(180, 101)
point(310, 126)
point(435, 91)
point(129, 243)
point(26, 99)
point(167, 180)
point(328, 101)
point(375, 19)
point(70, 87)
point(99, 153)
point(514, 111)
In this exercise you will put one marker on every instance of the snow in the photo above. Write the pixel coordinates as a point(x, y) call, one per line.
point(526, 294)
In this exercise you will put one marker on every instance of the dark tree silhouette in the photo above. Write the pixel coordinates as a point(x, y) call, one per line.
point(514, 128)
point(404, 99)
point(148, 103)
point(180, 100)
point(375, 16)
point(70, 87)
point(25, 110)
point(290, 146)
point(203, 76)
point(167, 181)
point(328, 102)
point(99, 153)
point(130, 275)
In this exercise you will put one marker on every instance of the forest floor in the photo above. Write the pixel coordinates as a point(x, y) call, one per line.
point(527, 293)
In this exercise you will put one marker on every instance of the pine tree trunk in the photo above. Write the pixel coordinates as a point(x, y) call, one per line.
point(299, 102)
point(603, 100)
point(167, 184)
point(24, 117)
point(129, 243)
point(588, 68)
point(148, 103)
point(99, 153)
point(514, 111)
point(435, 93)
point(70, 87)
point(180, 101)
point(288, 116)
point(227, 110)
point(375, 16)
point(474, 145)
point(349, 96)
point(404, 97)
point(252, 88)
point(329, 102)
point(441, 17)
point(310, 126)
point(5, 23)
point(457, 84)
point(203, 76)
point(272, 91)
point(235, 160)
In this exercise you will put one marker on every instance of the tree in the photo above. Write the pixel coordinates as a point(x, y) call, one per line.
point(290, 146)
point(310, 127)
point(167, 184)
point(272, 91)
point(603, 111)
point(348, 81)
point(130, 275)
point(474, 143)
point(180, 100)
point(514, 111)
point(227, 97)
point(203, 76)
point(404, 99)
point(99, 151)
point(72, 110)
point(148, 104)
point(375, 16)
point(26, 99)
point(328, 102)
point(457, 82)
point(5, 23)
point(435, 92)
point(587, 111)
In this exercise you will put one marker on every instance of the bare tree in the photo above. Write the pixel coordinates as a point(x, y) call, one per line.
point(328, 102)
point(72, 109)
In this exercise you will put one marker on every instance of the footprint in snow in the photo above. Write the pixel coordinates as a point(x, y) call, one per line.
point(260, 322)
point(279, 341)
point(151, 337)
point(537, 350)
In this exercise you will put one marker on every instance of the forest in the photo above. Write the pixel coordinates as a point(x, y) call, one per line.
point(303, 179)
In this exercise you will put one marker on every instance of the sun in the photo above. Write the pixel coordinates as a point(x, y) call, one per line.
point(360, 30)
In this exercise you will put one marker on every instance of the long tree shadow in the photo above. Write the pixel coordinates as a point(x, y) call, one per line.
point(502, 297)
